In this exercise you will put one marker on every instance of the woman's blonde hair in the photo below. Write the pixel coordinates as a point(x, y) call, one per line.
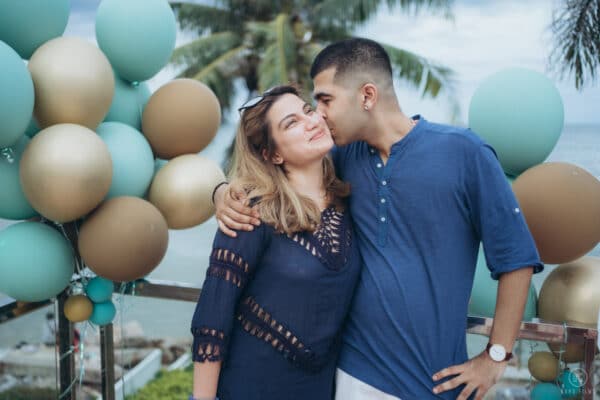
point(266, 183)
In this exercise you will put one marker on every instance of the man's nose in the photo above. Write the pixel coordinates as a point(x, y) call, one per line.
point(321, 111)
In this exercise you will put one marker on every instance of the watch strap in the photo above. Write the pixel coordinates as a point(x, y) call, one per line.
point(508, 356)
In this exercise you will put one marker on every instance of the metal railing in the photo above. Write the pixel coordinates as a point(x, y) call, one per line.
point(541, 331)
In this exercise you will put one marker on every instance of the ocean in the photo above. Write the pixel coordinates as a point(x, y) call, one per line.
point(188, 252)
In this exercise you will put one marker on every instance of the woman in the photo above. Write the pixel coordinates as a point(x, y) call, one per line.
point(268, 321)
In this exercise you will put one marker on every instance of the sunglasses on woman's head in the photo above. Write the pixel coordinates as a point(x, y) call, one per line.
point(274, 91)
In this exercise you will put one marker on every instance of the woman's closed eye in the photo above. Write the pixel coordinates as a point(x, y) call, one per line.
point(290, 122)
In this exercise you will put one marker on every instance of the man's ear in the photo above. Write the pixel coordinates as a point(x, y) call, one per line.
point(369, 95)
point(275, 159)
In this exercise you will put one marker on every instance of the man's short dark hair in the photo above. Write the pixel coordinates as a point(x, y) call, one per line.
point(352, 55)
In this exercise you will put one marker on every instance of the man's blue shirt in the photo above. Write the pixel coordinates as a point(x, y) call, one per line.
point(420, 218)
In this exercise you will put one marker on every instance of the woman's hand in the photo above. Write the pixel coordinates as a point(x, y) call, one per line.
point(233, 212)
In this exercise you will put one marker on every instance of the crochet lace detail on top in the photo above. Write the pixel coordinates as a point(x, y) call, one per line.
point(329, 242)
point(210, 344)
point(227, 265)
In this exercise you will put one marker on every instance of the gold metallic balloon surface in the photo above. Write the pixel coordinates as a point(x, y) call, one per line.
point(124, 239)
point(182, 190)
point(73, 82)
point(65, 171)
point(571, 352)
point(571, 293)
point(543, 366)
point(561, 204)
point(78, 308)
point(181, 117)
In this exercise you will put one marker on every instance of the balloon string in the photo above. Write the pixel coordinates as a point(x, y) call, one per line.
point(8, 154)
point(81, 348)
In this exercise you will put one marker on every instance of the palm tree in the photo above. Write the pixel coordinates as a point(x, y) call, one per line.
point(576, 27)
point(273, 42)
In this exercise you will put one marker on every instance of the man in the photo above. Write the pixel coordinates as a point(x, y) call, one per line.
point(423, 197)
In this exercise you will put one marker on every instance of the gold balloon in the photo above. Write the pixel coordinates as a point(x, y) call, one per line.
point(124, 239)
point(182, 190)
point(561, 204)
point(73, 82)
point(66, 171)
point(181, 117)
point(543, 366)
point(570, 293)
point(78, 308)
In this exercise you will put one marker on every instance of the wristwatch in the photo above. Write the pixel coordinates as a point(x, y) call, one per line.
point(497, 352)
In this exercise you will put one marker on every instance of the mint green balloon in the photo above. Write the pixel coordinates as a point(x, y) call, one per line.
point(485, 290)
point(133, 161)
point(128, 103)
point(158, 164)
point(16, 95)
point(103, 313)
point(520, 113)
point(137, 36)
point(545, 391)
point(32, 129)
point(27, 24)
point(36, 261)
point(13, 203)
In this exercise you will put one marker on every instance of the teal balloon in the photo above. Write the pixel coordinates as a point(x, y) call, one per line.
point(485, 290)
point(36, 262)
point(545, 391)
point(103, 313)
point(13, 203)
point(158, 164)
point(27, 24)
point(99, 289)
point(571, 386)
point(16, 94)
point(137, 36)
point(520, 113)
point(32, 129)
point(133, 161)
point(128, 103)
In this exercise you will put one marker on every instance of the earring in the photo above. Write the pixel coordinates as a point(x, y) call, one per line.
point(366, 107)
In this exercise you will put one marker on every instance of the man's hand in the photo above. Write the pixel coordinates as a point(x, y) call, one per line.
point(232, 211)
point(478, 374)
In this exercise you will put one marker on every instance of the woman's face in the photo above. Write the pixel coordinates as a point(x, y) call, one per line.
point(300, 134)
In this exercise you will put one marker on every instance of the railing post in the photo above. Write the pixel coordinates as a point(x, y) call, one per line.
point(589, 354)
point(66, 363)
point(107, 355)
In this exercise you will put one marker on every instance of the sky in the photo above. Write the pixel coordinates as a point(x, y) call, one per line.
point(482, 37)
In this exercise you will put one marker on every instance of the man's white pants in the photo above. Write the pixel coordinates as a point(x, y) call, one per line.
point(350, 388)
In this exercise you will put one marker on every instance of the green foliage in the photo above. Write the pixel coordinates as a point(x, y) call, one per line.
point(274, 42)
point(27, 393)
point(576, 27)
point(173, 385)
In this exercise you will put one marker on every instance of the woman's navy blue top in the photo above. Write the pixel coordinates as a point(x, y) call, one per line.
point(272, 309)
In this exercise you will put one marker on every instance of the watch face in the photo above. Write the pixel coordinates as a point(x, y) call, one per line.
point(497, 352)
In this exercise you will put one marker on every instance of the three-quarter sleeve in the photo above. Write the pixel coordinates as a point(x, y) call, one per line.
point(232, 264)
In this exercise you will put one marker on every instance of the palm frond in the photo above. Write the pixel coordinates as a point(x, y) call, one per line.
point(420, 73)
point(277, 65)
point(218, 75)
point(203, 19)
point(576, 28)
point(351, 13)
point(202, 51)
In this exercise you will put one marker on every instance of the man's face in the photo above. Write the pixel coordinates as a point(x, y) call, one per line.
point(340, 106)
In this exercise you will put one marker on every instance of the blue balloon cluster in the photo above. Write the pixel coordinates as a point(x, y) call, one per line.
point(99, 290)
